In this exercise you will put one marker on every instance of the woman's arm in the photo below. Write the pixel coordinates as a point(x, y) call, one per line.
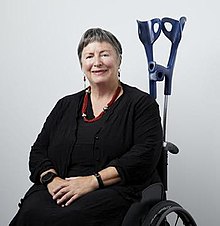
point(38, 160)
point(67, 191)
point(109, 176)
point(138, 164)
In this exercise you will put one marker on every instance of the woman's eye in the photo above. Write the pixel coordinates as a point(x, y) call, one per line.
point(89, 57)
point(105, 55)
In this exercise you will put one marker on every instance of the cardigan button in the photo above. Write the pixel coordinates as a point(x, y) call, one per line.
point(96, 137)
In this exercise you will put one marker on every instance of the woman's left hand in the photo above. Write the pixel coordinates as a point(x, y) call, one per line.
point(73, 188)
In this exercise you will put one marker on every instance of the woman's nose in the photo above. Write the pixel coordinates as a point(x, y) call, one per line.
point(97, 62)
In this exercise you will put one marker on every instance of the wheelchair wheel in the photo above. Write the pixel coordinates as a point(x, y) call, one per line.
point(168, 213)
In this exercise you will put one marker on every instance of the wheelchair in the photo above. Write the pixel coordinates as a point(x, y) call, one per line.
point(154, 209)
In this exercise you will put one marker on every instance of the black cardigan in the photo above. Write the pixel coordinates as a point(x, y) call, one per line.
point(132, 125)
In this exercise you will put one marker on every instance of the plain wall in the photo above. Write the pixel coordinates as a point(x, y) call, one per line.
point(39, 65)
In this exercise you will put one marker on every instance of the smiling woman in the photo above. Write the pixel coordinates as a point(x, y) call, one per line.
point(98, 148)
point(101, 64)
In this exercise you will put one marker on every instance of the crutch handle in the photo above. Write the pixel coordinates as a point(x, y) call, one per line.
point(170, 147)
point(157, 73)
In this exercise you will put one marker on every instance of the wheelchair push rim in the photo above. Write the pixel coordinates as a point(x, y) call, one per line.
point(158, 215)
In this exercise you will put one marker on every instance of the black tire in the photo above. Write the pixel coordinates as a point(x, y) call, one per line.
point(157, 216)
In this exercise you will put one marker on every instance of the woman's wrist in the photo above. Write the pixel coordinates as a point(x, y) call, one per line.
point(99, 180)
point(45, 172)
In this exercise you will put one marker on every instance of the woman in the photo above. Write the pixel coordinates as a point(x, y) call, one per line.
point(97, 149)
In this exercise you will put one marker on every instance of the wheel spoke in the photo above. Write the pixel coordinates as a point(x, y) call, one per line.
point(177, 218)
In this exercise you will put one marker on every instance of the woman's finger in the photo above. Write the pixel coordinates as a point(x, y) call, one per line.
point(64, 199)
point(60, 193)
point(72, 199)
point(58, 188)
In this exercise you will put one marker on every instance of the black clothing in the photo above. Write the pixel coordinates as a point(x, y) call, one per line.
point(82, 158)
point(104, 207)
point(128, 137)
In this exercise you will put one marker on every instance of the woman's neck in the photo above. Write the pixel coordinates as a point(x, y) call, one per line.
point(103, 91)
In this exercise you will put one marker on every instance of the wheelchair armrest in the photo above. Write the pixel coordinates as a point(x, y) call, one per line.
point(150, 196)
point(153, 193)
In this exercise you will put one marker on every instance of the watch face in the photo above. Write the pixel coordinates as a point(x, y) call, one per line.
point(48, 177)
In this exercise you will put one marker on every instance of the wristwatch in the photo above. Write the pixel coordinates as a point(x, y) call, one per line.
point(47, 178)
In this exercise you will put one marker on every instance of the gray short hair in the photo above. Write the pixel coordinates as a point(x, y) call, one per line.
point(99, 35)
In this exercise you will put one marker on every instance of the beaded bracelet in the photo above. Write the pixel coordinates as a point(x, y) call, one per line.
point(99, 179)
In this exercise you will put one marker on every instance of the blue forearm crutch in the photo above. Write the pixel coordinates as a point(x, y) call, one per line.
point(148, 35)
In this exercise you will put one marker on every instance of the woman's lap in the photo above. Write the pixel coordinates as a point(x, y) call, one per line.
point(101, 207)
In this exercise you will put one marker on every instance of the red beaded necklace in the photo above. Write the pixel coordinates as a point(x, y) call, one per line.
point(85, 104)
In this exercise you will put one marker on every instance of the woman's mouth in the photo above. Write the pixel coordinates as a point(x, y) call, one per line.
point(99, 72)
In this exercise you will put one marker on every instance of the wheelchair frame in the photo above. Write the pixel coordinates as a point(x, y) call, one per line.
point(154, 208)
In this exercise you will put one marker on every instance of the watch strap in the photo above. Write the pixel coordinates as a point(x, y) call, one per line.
point(48, 177)
point(99, 179)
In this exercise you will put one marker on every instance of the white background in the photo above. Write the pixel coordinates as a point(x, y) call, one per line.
point(39, 65)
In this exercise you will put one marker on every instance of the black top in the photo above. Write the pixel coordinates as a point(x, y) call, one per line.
point(83, 160)
point(130, 139)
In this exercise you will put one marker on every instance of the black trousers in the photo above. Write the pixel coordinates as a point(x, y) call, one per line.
point(105, 207)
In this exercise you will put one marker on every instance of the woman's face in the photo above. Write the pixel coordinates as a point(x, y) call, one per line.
point(100, 63)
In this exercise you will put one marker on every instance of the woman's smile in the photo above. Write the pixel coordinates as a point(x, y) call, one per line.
point(99, 72)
